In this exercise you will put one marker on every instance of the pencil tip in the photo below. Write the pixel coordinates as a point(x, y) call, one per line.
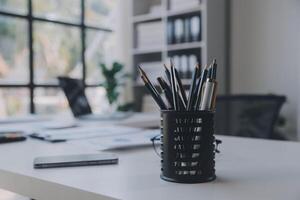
point(141, 70)
point(166, 68)
point(171, 62)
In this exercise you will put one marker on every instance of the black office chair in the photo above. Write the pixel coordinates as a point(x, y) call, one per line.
point(248, 115)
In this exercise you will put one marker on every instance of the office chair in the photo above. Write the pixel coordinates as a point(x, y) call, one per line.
point(248, 115)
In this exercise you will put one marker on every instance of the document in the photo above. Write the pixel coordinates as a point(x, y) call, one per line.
point(119, 141)
point(23, 119)
point(85, 132)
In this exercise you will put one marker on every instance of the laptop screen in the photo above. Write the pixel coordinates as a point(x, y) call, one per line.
point(74, 91)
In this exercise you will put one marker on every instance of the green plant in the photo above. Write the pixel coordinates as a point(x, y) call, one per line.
point(114, 78)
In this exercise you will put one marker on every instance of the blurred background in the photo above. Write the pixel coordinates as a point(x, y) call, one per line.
point(256, 43)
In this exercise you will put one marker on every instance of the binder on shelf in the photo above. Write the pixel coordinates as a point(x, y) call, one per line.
point(195, 28)
point(187, 30)
point(170, 31)
point(184, 29)
point(179, 30)
point(192, 61)
point(184, 66)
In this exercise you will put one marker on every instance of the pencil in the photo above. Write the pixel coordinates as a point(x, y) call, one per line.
point(174, 88)
point(181, 88)
point(182, 104)
point(167, 90)
point(152, 90)
point(167, 72)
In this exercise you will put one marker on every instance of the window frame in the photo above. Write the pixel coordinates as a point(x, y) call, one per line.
point(30, 18)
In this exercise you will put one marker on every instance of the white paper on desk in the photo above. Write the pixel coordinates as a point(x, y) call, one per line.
point(87, 132)
point(142, 138)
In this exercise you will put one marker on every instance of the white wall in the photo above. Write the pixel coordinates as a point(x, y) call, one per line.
point(265, 51)
point(123, 31)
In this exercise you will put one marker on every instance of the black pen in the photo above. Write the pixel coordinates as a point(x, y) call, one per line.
point(192, 88)
point(214, 69)
point(199, 87)
point(214, 76)
point(209, 73)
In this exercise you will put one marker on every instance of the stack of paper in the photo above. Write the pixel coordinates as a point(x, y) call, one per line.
point(86, 132)
point(129, 140)
point(150, 35)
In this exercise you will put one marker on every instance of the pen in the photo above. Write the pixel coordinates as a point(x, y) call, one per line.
point(206, 100)
point(209, 74)
point(200, 84)
point(192, 88)
point(214, 69)
point(214, 97)
point(214, 76)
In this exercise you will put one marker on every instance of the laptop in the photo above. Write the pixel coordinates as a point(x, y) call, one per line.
point(78, 102)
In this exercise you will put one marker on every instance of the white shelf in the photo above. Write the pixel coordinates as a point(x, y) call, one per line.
point(146, 17)
point(212, 43)
point(190, 45)
point(138, 51)
point(171, 13)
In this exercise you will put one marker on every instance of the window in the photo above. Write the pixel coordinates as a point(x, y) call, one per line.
point(43, 39)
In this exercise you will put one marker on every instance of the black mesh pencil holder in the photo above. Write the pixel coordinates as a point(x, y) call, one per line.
point(187, 144)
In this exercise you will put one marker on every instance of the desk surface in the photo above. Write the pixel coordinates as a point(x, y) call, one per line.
point(246, 169)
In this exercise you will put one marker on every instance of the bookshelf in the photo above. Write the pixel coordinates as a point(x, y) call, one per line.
point(156, 37)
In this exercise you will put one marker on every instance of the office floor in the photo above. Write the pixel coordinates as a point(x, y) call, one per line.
point(6, 195)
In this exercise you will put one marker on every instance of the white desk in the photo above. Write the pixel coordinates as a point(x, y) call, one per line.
point(246, 169)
